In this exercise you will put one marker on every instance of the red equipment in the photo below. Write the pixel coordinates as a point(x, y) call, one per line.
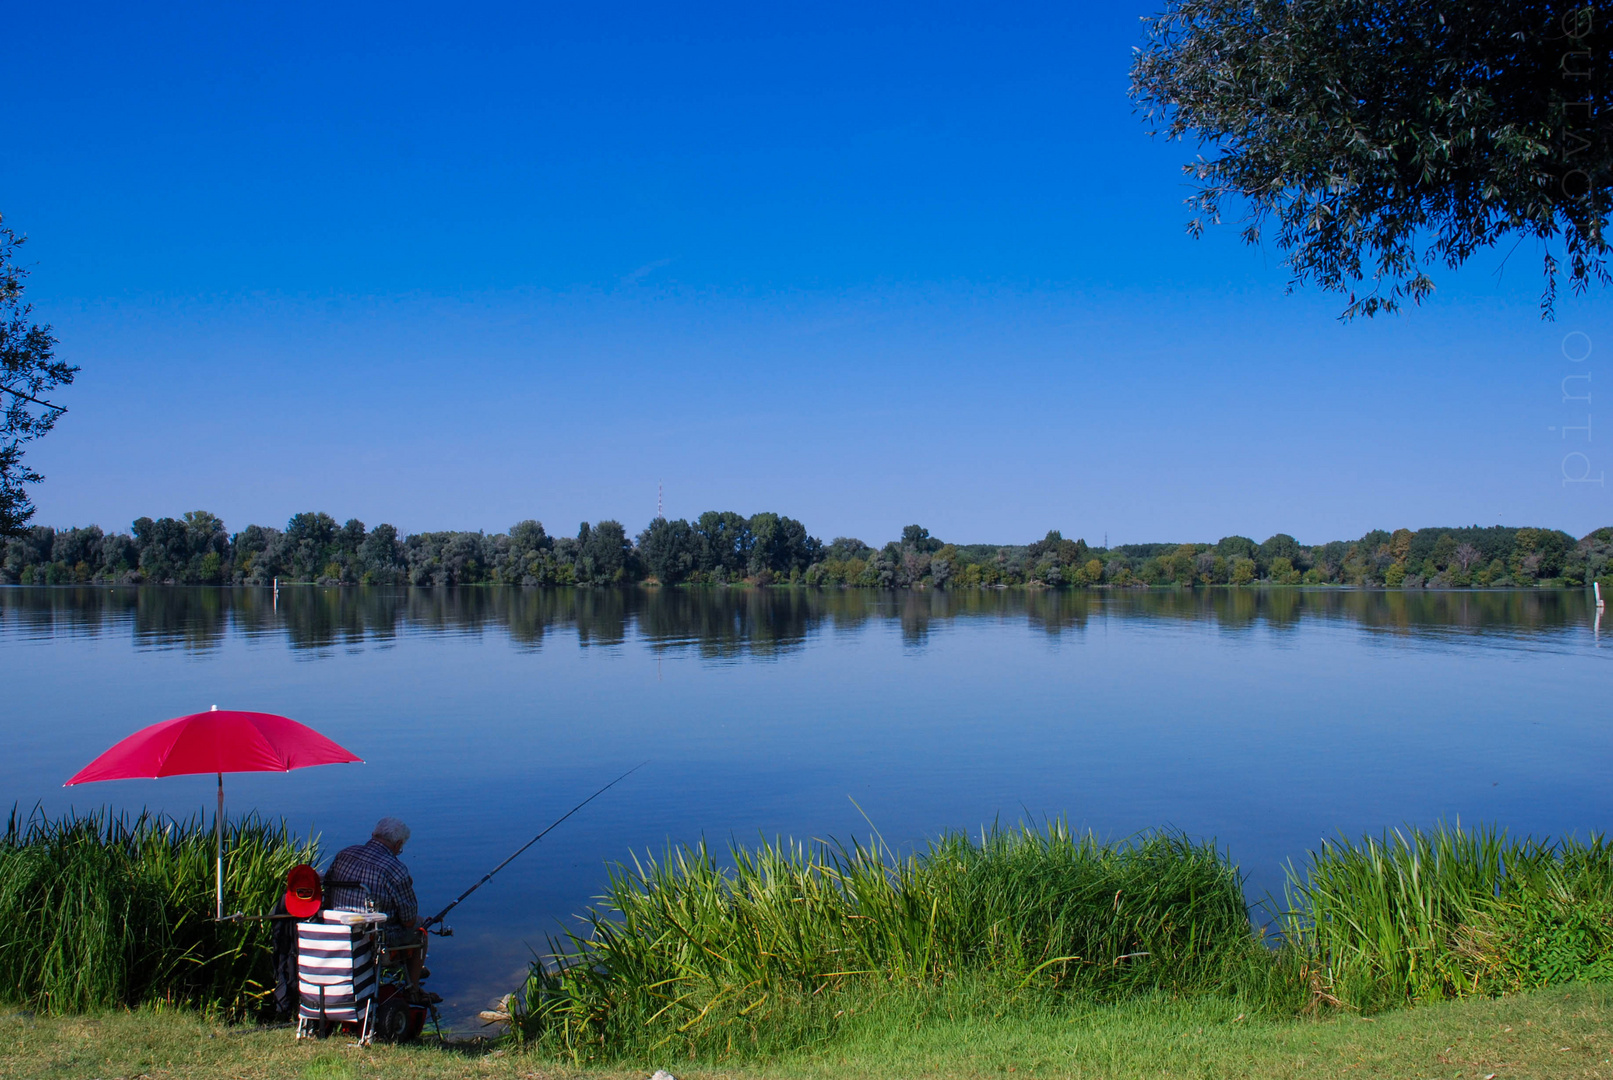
point(304, 897)
point(219, 741)
point(215, 742)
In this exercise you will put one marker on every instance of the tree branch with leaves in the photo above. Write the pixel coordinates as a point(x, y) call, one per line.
point(1378, 138)
point(29, 370)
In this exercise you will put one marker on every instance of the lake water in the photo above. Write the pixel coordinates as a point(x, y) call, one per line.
point(1264, 719)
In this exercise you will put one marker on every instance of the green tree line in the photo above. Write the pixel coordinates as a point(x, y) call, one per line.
point(722, 547)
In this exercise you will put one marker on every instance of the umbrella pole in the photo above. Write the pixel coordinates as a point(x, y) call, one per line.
point(218, 833)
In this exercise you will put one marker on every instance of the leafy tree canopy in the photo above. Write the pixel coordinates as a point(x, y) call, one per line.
point(1379, 137)
point(768, 548)
point(28, 371)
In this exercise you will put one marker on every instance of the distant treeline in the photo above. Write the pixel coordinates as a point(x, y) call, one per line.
point(722, 548)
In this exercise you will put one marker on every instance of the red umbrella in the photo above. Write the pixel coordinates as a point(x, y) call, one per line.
point(215, 742)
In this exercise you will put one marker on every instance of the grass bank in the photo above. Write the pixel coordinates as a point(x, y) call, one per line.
point(98, 910)
point(780, 951)
point(1418, 916)
point(775, 946)
point(1559, 1034)
point(781, 946)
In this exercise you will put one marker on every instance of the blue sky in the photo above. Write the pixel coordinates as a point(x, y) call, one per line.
point(451, 269)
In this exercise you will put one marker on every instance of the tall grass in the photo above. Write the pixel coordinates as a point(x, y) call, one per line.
point(1415, 916)
point(99, 910)
point(703, 955)
point(768, 948)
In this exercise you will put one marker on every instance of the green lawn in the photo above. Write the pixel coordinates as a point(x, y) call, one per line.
point(1556, 1033)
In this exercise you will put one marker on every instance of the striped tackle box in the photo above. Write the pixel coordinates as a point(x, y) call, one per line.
point(336, 977)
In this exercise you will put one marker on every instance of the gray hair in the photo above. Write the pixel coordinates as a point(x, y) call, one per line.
point(391, 831)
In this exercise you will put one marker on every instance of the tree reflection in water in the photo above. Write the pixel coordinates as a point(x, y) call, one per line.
point(737, 623)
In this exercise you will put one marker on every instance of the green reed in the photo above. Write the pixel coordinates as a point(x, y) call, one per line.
point(99, 910)
point(697, 953)
point(1416, 916)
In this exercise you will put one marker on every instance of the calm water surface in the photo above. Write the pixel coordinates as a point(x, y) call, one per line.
point(1266, 720)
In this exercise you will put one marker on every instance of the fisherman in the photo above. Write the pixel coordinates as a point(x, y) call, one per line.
point(374, 872)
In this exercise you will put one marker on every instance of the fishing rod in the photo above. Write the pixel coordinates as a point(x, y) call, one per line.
point(437, 918)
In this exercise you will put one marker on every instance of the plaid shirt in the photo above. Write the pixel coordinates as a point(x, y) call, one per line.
point(383, 878)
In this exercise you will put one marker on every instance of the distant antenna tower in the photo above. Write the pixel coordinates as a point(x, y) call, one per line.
point(660, 511)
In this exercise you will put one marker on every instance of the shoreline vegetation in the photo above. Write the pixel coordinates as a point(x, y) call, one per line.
point(779, 949)
point(100, 910)
point(725, 548)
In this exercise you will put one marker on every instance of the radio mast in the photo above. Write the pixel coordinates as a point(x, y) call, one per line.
point(660, 511)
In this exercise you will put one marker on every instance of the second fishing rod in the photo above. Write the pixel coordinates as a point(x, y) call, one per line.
point(446, 931)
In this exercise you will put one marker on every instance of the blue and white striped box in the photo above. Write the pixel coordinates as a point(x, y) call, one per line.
point(336, 976)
